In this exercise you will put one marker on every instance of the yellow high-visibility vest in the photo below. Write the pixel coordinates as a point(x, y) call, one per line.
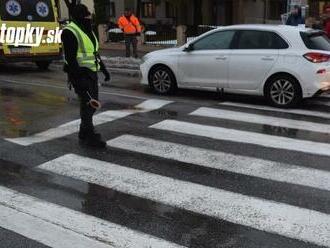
point(86, 54)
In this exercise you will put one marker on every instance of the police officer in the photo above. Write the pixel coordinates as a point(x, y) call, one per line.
point(82, 63)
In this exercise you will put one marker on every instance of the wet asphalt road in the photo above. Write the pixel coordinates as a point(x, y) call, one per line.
point(32, 102)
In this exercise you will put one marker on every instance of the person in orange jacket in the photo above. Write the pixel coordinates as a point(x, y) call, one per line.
point(131, 27)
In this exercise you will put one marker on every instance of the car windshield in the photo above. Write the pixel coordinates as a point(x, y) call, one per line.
point(316, 41)
point(27, 10)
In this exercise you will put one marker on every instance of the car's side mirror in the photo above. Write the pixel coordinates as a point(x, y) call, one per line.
point(189, 48)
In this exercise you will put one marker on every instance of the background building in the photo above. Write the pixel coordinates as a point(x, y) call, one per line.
point(204, 12)
point(63, 10)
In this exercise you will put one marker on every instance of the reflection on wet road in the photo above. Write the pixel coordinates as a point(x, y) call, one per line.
point(190, 170)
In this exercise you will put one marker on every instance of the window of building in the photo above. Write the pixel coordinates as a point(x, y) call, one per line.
point(170, 10)
point(276, 8)
point(110, 9)
point(316, 8)
point(148, 9)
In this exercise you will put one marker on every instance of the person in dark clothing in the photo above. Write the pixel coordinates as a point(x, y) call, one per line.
point(81, 64)
point(295, 17)
point(110, 25)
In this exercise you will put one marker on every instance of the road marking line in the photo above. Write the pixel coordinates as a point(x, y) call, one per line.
point(44, 232)
point(64, 227)
point(102, 118)
point(261, 119)
point(261, 168)
point(253, 138)
point(269, 216)
point(288, 111)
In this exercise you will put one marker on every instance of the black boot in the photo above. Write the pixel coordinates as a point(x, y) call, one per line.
point(92, 139)
point(96, 141)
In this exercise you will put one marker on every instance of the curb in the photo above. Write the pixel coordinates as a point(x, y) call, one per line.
point(113, 70)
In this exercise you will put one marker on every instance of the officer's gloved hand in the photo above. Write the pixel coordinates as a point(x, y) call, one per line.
point(107, 76)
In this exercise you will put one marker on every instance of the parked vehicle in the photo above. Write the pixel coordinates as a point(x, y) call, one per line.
point(43, 13)
point(285, 64)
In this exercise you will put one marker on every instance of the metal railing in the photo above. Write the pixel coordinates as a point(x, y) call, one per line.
point(161, 35)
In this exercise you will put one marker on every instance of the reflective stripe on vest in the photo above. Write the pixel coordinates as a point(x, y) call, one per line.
point(86, 50)
point(129, 25)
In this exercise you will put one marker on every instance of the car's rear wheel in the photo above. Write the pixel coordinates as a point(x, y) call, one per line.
point(283, 91)
point(162, 80)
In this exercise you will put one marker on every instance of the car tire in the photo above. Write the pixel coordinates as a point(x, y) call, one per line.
point(43, 65)
point(283, 91)
point(162, 80)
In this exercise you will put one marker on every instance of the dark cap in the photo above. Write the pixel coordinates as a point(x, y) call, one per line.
point(80, 11)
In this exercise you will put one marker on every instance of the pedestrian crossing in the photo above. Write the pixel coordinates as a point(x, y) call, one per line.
point(30, 217)
point(99, 119)
point(304, 112)
point(266, 169)
point(75, 229)
point(261, 119)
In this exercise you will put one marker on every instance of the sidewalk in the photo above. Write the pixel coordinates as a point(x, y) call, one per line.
point(116, 65)
point(113, 55)
point(118, 49)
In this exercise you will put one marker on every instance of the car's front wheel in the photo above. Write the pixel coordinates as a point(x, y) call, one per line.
point(162, 80)
point(283, 91)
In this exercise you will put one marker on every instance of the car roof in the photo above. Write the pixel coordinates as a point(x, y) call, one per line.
point(270, 27)
point(290, 33)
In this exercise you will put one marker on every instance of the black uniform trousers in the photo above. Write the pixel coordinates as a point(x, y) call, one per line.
point(131, 39)
point(86, 87)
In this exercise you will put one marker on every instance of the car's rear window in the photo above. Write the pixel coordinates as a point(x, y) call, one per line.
point(27, 10)
point(316, 41)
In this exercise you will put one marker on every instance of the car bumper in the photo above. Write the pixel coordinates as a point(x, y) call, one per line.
point(320, 85)
point(144, 68)
point(12, 59)
point(324, 90)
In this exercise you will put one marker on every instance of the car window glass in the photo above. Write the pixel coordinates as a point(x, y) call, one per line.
point(317, 41)
point(252, 39)
point(218, 40)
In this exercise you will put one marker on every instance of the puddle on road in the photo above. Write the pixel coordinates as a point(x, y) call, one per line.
point(20, 110)
point(166, 113)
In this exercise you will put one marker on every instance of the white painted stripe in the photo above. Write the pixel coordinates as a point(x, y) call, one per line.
point(283, 219)
point(266, 169)
point(102, 118)
point(44, 232)
point(61, 227)
point(261, 119)
point(233, 135)
point(288, 111)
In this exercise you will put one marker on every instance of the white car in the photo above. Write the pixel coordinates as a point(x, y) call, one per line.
point(283, 63)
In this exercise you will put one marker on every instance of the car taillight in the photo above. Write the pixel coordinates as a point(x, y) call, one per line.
point(317, 57)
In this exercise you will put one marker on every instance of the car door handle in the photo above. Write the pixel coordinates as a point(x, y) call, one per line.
point(221, 58)
point(267, 58)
